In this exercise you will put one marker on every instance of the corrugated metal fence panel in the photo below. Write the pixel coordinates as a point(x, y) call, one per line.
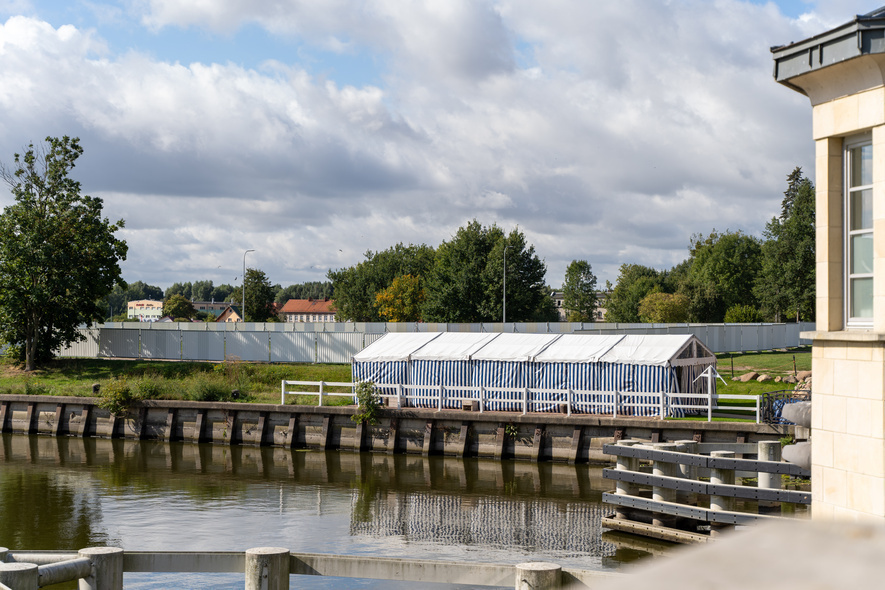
point(202, 346)
point(84, 348)
point(118, 343)
point(293, 347)
point(161, 344)
point(732, 338)
point(247, 346)
point(338, 347)
point(370, 338)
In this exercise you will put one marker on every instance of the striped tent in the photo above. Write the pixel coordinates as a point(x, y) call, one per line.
point(595, 373)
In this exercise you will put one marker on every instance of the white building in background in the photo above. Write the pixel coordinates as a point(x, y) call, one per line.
point(145, 310)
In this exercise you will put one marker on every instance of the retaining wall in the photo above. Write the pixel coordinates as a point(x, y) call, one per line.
point(535, 437)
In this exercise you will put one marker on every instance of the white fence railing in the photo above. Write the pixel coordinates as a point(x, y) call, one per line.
point(338, 342)
point(530, 399)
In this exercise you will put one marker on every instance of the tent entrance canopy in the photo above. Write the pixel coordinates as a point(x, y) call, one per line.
point(582, 362)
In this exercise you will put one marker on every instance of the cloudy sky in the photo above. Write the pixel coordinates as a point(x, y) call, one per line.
point(314, 130)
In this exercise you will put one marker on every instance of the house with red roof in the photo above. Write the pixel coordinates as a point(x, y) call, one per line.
point(307, 310)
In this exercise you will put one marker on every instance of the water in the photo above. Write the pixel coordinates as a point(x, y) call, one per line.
point(70, 493)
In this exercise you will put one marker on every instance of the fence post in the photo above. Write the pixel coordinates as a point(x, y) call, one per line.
point(107, 568)
point(525, 401)
point(482, 399)
point(321, 393)
point(399, 395)
point(568, 402)
point(283, 393)
point(769, 450)
point(726, 477)
point(624, 488)
point(19, 576)
point(267, 568)
point(616, 404)
point(538, 576)
point(439, 402)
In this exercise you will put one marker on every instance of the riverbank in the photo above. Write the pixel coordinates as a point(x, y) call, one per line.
point(496, 435)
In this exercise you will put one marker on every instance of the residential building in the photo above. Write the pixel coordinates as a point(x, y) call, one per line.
point(230, 314)
point(307, 310)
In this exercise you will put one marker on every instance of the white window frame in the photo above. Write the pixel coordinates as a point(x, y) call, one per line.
point(850, 144)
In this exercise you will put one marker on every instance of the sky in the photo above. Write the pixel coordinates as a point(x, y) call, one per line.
point(313, 131)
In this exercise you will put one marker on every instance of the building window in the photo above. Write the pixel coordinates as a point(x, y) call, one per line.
point(859, 230)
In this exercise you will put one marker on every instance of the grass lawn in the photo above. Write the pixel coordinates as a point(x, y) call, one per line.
point(256, 382)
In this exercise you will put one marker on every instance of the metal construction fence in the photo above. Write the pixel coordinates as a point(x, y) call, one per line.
point(338, 342)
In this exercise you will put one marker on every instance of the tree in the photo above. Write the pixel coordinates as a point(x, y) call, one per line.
point(355, 288)
point(122, 293)
point(723, 271)
point(221, 293)
point(402, 300)
point(579, 292)
point(202, 290)
point(664, 308)
point(466, 283)
point(59, 258)
point(259, 297)
point(309, 290)
point(183, 289)
point(786, 281)
point(634, 283)
point(177, 306)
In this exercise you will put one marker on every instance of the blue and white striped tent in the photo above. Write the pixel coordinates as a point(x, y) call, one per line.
point(596, 371)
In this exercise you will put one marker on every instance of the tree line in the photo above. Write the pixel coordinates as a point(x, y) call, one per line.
point(730, 276)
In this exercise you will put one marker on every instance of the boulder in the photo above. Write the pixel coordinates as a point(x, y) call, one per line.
point(798, 454)
point(798, 413)
point(803, 375)
point(778, 379)
point(790, 379)
point(747, 377)
point(763, 378)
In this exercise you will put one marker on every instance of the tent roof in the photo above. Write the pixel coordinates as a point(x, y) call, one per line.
point(644, 349)
point(451, 346)
point(395, 346)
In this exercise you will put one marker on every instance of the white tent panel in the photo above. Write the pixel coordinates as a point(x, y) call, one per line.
point(515, 347)
point(578, 348)
point(647, 349)
point(395, 346)
point(453, 346)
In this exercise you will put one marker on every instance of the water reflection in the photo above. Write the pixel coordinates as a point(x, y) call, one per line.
point(68, 493)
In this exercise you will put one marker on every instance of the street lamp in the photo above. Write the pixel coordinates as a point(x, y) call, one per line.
point(505, 283)
point(244, 283)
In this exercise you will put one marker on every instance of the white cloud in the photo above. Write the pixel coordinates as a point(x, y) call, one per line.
point(631, 126)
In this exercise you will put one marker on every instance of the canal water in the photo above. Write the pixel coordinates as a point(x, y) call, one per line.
point(70, 493)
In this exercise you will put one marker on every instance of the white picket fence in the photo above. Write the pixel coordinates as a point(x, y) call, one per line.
point(338, 342)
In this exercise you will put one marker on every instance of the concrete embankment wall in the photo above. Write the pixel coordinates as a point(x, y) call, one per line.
point(535, 437)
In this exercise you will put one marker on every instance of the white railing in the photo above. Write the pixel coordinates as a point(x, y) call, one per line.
point(530, 399)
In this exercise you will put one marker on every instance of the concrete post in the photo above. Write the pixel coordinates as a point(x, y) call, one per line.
point(769, 450)
point(623, 488)
point(107, 568)
point(721, 476)
point(538, 576)
point(690, 472)
point(267, 568)
point(662, 494)
point(19, 576)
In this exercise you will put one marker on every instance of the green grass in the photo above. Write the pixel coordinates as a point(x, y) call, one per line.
point(256, 382)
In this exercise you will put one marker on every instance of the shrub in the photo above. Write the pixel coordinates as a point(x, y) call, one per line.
point(32, 388)
point(150, 387)
point(204, 389)
point(369, 403)
point(742, 314)
point(117, 397)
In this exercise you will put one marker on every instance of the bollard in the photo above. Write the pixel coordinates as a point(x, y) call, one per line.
point(107, 568)
point(690, 472)
point(662, 494)
point(769, 450)
point(721, 476)
point(623, 488)
point(267, 568)
point(19, 576)
point(538, 575)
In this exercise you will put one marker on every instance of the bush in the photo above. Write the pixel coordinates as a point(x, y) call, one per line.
point(369, 403)
point(150, 387)
point(32, 388)
point(117, 397)
point(204, 389)
point(742, 314)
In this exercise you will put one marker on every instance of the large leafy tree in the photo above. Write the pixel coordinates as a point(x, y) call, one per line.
point(308, 290)
point(402, 300)
point(179, 307)
point(355, 288)
point(579, 291)
point(786, 283)
point(664, 308)
point(59, 258)
point(123, 293)
point(466, 283)
point(634, 283)
point(722, 274)
point(259, 297)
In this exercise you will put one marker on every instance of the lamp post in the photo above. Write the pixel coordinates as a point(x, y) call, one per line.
point(244, 283)
point(505, 283)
